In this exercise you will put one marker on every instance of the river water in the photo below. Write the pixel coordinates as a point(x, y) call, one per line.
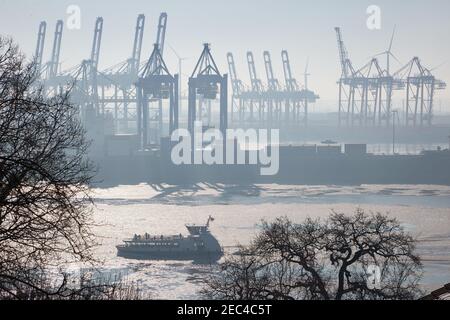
point(238, 210)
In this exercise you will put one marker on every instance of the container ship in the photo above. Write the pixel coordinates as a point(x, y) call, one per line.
point(349, 164)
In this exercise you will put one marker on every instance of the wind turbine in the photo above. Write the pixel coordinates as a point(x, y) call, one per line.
point(389, 53)
point(306, 74)
point(438, 66)
point(180, 62)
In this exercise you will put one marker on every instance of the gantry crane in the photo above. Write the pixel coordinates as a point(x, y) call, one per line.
point(273, 94)
point(90, 69)
point(269, 100)
point(135, 60)
point(256, 96)
point(96, 43)
point(130, 66)
point(146, 111)
point(290, 81)
point(161, 34)
point(296, 100)
point(371, 106)
point(52, 66)
point(39, 53)
point(238, 88)
point(122, 78)
point(365, 95)
point(421, 86)
point(207, 82)
point(85, 92)
point(156, 83)
point(351, 86)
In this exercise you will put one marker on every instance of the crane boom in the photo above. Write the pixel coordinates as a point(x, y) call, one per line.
point(96, 44)
point(40, 46)
point(271, 81)
point(53, 64)
point(137, 45)
point(231, 67)
point(161, 35)
point(343, 54)
point(235, 82)
point(160, 40)
point(256, 83)
point(291, 83)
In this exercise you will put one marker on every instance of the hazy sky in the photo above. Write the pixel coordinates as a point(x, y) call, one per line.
point(304, 28)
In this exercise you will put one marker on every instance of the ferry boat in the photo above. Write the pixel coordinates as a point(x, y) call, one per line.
point(199, 245)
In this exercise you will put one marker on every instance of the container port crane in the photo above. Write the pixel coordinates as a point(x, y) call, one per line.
point(238, 88)
point(149, 113)
point(273, 94)
point(296, 100)
point(156, 84)
point(121, 79)
point(82, 80)
point(366, 95)
point(52, 66)
point(268, 101)
point(89, 70)
point(377, 87)
point(350, 87)
point(208, 83)
point(421, 86)
point(257, 89)
point(39, 53)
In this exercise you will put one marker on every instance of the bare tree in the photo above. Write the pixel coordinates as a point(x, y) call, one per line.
point(45, 211)
point(363, 256)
